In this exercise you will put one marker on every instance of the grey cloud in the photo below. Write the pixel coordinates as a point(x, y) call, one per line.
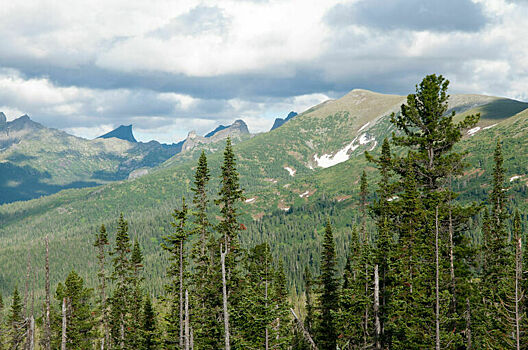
point(198, 20)
point(433, 15)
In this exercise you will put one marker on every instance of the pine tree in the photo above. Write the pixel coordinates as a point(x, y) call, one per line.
point(15, 322)
point(136, 260)
point(328, 300)
point(101, 241)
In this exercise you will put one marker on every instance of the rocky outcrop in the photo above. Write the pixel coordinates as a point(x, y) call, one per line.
point(237, 129)
point(279, 121)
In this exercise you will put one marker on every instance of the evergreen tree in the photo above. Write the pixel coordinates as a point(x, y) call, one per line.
point(2, 330)
point(136, 260)
point(149, 339)
point(122, 276)
point(101, 241)
point(495, 326)
point(80, 329)
point(328, 300)
point(15, 322)
point(206, 279)
point(175, 245)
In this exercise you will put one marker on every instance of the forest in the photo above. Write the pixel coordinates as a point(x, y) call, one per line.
point(416, 275)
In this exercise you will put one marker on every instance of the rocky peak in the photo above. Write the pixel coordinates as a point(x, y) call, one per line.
point(3, 119)
point(123, 132)
point(280, 121)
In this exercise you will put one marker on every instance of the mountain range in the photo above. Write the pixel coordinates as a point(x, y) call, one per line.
point(294, 176)
point(36, 160)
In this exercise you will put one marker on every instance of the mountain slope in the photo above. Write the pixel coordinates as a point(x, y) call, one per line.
point(285, 177)
point(123, 132)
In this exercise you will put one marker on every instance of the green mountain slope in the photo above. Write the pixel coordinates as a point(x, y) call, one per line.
point(294, 177)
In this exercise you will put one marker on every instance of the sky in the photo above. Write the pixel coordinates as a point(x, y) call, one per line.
point(169, 67)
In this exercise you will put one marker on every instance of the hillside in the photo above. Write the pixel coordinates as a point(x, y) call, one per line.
point(294, 177)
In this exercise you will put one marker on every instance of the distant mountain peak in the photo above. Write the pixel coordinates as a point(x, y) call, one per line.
point(280, 121)
point(3, 118)
point(123, 132)
point(217, 129)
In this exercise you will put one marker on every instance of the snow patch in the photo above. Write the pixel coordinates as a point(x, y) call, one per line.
point(286, 208)
point(327, 160)
point(516, 177)
point(363, 127)
point(250, 200)
point(364, 139)
point(304, 194)
point(473, 131)
point(489, 127)
point(290, 170)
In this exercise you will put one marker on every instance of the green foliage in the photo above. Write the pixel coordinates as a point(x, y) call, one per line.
point(16, 323)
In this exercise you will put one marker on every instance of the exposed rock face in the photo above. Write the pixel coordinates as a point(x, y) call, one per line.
point(238, 128)
point(279, 121)
point(123, 132)
point(13, 131)
point(3, 119)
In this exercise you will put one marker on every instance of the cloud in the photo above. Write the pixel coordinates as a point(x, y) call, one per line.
point(430, 15)
point(172, 66)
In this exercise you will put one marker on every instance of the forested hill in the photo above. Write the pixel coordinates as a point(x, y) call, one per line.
point(293, 176)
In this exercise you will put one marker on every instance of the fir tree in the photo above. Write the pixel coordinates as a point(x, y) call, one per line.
point(136, 260)
point(149, 339)
point(175, 245)
point(80, 330)
point(101, 241)
point(15, 322)
point(122, 276)
point(327, 332)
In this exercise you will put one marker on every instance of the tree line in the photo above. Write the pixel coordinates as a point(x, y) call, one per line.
point(417, 281)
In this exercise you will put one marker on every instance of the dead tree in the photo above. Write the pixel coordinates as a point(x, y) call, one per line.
point(305, 333)
point(64, 324)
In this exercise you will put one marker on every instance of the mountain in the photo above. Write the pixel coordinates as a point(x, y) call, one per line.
point(279, 121)
point(219, 128)
point(294, 178)
point(37, 161)
point(123, 132)
point(235, 130)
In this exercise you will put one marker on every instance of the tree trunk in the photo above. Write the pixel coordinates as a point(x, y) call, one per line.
point(468, 325)
point(224, 296)
point(437, 310)
point(305, 333)
point(63, 338)
point(187, 340)
point(365, 324)
point(518, 292)
point(376, 307)
point(47, 331)
point(31, 334)
point(452, 258)
point(266, 298)
point(181, 294)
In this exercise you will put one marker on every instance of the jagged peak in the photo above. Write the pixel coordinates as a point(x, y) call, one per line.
point(123, 132)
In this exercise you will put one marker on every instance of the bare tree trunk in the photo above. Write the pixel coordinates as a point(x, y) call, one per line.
point(122, 330)
point(365, 324)
point(437, 311)
point(187, 340)
point(266, 298)
point(192, 339)
point(376, 307)
point(305, 333)
point(224, 295)
point(47, 332)
point(31, 334)
point(468, 325)
point(181, 294)
point(63, 338)
point(518, 292)
point(452, 257)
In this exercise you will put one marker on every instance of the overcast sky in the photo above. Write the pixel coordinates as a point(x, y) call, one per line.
point(169, 67)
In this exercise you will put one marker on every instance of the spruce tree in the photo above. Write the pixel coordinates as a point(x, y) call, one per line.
point(122, 276)
point(149, 339)
point(174, 243)
point(15, 322)
point(328, 300)
point(80, 330)
point(136, 260)
point(495, 326)
point(101, 241)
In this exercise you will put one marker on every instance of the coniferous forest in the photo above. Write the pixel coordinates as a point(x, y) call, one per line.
point(414, 277)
